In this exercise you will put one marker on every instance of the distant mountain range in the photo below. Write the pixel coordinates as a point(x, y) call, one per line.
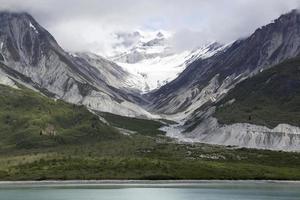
point(220, 94)
point(152, 59)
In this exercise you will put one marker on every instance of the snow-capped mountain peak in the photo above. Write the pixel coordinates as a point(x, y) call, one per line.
point(137, 46)
point(152, 60)
point(159, 70)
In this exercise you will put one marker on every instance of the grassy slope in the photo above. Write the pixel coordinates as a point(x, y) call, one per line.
point(83, 148)
point(269, 98)
point(142, 126)
point(24, 115)
point(141, 157)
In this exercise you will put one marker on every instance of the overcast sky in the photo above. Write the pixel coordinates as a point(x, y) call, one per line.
point(80, 25)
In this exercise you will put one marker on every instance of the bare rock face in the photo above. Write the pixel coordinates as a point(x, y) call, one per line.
point(282, 137)
point(205, 82)
point(267, 46)
point(31, 55)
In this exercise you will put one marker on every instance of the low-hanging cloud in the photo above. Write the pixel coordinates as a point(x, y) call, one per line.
point(81, 25)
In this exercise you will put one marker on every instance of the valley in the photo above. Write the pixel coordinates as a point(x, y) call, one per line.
point(80, 146)
point(220, 111)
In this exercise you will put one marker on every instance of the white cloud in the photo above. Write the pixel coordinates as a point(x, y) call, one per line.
point(81, 25)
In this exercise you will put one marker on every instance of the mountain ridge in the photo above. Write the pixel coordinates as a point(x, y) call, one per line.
point(103, 86)
point(29, 49)
point(240, 60)
point(190, 98)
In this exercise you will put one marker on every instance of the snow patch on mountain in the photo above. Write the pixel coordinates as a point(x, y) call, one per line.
point(152, 60)
point(154, 72)
point(33, 27)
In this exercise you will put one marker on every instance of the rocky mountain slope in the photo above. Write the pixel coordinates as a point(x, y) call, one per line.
point(208, 79)
point(260, 112)
point(31, 56)
point(189, 99)
point(274, 92)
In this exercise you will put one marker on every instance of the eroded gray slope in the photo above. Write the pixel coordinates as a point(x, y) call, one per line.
point(214, 76)
point(30, 50)
point(190, 99)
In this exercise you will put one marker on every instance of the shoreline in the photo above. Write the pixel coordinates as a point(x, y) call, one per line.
point(140, 182)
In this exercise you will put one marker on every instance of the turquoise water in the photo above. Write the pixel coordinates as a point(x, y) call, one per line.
point(203, 191)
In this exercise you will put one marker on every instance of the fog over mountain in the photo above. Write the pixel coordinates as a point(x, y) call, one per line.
point(91, 25)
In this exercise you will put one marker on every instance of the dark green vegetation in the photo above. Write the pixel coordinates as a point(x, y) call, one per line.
point(269, 98)
point(46, 139)
point(142, 126)
point(140, 157)
point(30, 120)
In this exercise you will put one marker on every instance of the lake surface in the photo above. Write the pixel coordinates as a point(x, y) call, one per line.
point(180, 191)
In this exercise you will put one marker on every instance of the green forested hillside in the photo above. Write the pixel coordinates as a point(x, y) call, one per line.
point(141, 126)
point(43, 139)
point(30, 120)
point(269, 98)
